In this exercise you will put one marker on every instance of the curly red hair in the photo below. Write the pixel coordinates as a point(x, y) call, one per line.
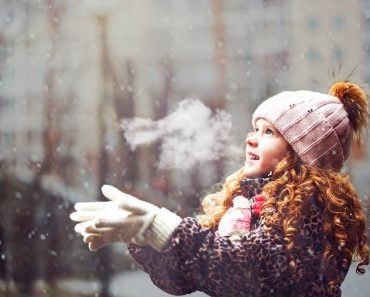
point(293, 183)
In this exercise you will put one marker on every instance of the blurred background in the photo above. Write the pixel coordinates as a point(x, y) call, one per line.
point(71, 70)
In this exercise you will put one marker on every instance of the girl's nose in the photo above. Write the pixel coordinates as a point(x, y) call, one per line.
point(251, 139)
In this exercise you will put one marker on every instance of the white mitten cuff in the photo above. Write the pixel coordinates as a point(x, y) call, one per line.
point(160, 231)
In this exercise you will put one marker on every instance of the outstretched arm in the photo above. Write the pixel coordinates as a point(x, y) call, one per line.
point(123, 219)
point(179, 255)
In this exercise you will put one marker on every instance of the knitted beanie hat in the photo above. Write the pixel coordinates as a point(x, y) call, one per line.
point(319, 127)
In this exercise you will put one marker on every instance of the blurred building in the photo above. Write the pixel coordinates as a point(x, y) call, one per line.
point(69, 73)
point(366, 26)
point(328, 42)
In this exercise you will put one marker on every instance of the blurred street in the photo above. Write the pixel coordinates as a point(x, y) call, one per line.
point(138, 284)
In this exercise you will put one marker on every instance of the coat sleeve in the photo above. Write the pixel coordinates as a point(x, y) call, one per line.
point(196, 257)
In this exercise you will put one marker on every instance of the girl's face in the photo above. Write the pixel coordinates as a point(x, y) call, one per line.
point(265, 147)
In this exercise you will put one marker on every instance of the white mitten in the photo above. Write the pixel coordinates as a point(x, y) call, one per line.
point(123, 219)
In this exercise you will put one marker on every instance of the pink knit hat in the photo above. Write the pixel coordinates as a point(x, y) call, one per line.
point(318, 127)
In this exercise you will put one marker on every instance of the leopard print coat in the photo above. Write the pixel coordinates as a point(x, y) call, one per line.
point(258, 264)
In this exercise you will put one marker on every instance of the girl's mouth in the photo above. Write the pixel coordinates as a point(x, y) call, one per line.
point(252, 156)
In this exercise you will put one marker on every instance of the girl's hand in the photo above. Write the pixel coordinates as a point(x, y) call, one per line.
point(123, 219)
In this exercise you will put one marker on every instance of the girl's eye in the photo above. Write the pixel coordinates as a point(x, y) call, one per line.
point(269, 131)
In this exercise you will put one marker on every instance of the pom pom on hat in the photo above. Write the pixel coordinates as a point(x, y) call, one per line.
point(354, 102)
point(319, 127)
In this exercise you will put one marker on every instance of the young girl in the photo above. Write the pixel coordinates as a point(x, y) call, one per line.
point(300, 243)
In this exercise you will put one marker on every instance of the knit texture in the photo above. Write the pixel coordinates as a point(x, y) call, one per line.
point(161, 229)
point(315, 125)
point(238, 219)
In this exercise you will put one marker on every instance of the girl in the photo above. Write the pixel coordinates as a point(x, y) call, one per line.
point(311, 224)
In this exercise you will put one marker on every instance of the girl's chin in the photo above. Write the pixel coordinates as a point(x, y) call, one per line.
point(250, 173)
